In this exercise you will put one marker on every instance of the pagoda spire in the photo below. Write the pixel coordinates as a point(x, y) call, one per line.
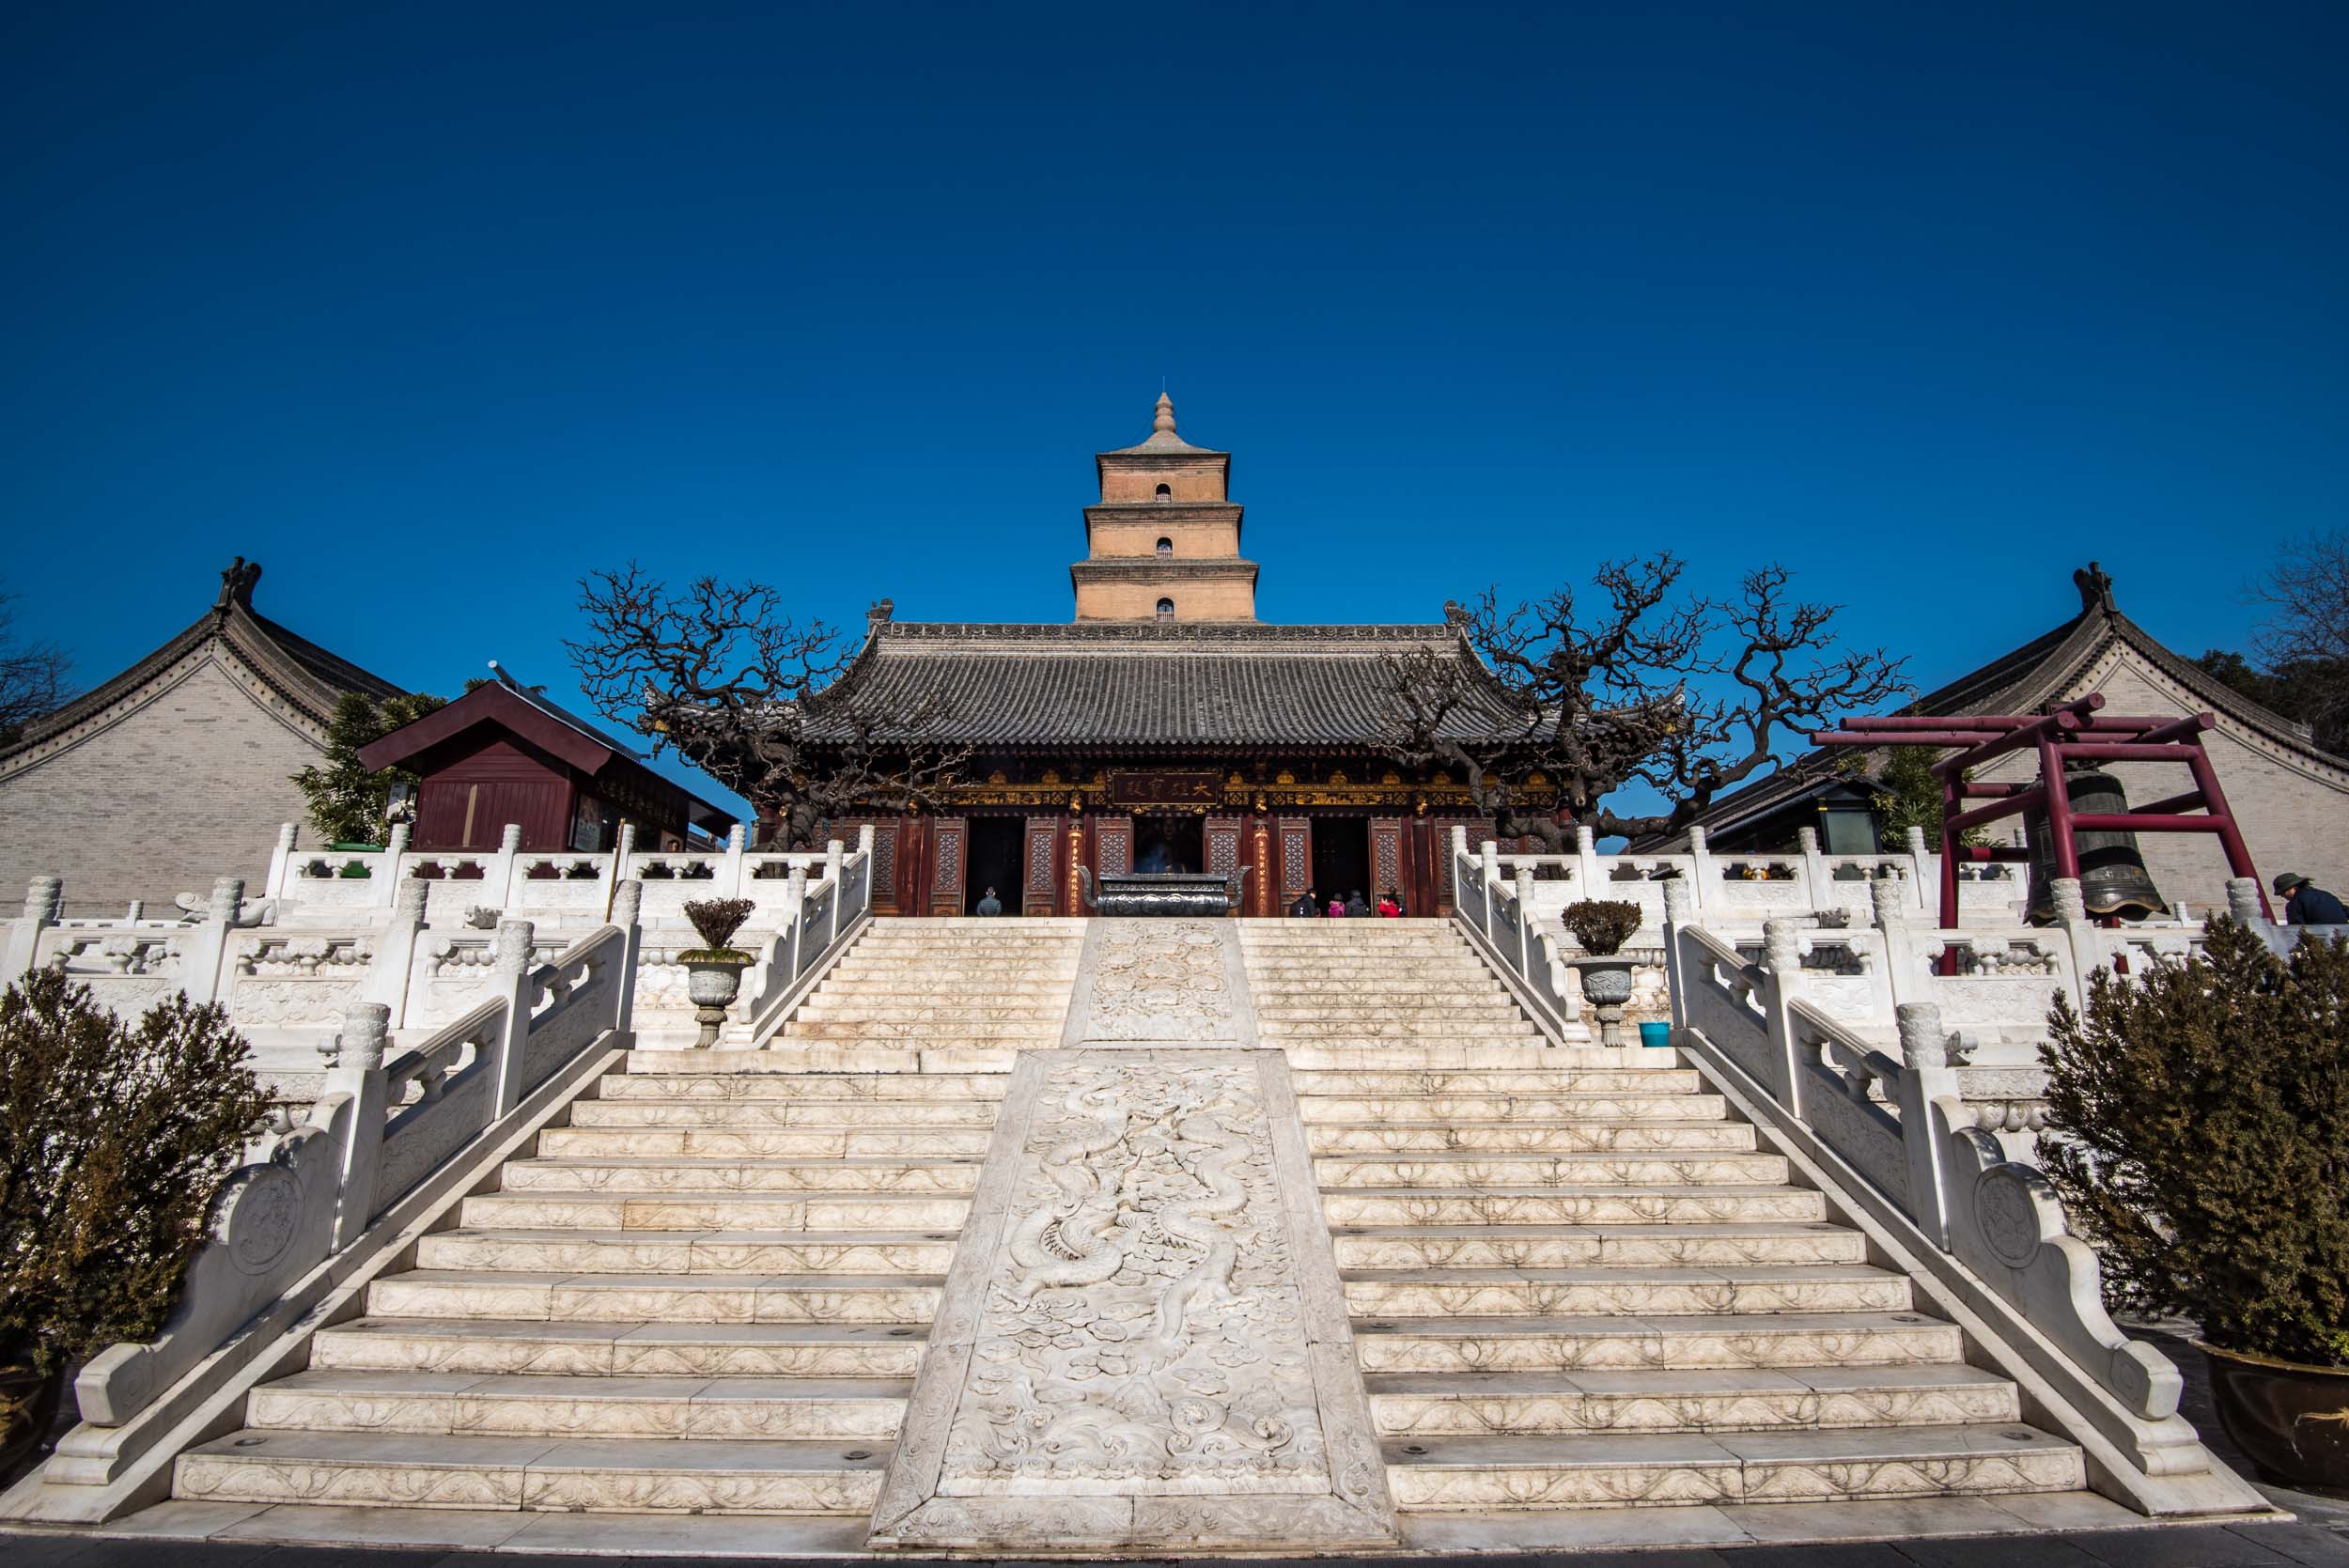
point(1164, 423)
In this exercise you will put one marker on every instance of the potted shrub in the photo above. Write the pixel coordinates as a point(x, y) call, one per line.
point(112, 1139)
point(713, 971)
point(1602, 925)
point(2200, 1135)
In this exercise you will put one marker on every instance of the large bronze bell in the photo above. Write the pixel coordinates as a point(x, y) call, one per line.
point(2113, 878)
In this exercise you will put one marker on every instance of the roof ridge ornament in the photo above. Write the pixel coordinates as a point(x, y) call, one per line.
point(2095, 586)
point(1162, 420)
point(236, 584)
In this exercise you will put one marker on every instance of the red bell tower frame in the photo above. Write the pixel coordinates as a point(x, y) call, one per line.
point(2076, 731)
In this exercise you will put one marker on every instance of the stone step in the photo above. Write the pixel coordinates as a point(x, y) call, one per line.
point(1445, 1111)
point(1301, 990)
point(817, 1114)
point(913, 1010)
point(1569, 1206)
point(934, 1056)
point(523, 1405)
point(1526, 1137)
point(1661, 1291)
point(844, 984)
point(708, 1210)
point(570, 1475)
point(1405, 1081)
point(1612, 1342)
point(622, 1349)
point(1474, 1168)
point(1522, 1403)
point(1385, 1010)
point(1417, 1029)
point(1021, 1031)
point(757, 1253)
point(754, 1143)
point(645, 1176)
point(1364, 1055)
point(1609, 1470)
point(771, 1076)
point(1402, 1247)
point(561, 1298)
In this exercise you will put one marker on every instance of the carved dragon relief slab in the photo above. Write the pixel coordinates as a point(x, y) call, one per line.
point(1142, 1341)
point(1161, 983)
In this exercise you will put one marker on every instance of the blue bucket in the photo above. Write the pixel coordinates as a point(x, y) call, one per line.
point(1658, 1034)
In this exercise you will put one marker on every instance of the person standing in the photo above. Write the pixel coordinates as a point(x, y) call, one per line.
point(2306, 904)
point(1337, 909)
point(1306, 906)
point(1387, 908)
point(1356, 908)
point(990, 905)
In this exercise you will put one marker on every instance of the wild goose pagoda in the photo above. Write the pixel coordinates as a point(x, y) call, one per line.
point(1163, 728)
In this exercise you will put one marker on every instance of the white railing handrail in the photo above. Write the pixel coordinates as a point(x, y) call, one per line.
point(314, 1188)
point(1898, 1121)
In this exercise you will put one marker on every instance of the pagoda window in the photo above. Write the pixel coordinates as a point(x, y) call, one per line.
point(1166, 493)
point(1166, 609)
point(1166, 547)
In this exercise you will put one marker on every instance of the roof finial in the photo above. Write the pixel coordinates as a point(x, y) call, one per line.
point(1164, 423)
point(2095, 586)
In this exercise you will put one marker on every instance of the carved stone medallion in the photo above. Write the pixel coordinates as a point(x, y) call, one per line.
point(1161, 983)
point(1142, 1340)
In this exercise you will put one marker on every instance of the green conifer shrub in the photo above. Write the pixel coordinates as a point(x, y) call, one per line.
point(113, 1141)
point(346, 802)
point(2198, 1134)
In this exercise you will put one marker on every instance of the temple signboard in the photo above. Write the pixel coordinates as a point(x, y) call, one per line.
point(1165, 789)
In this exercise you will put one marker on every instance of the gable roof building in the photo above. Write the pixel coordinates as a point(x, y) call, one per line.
point(178, 769)
point(2290, 799)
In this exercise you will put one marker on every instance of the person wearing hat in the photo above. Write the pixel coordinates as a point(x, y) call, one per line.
point(2306, 904)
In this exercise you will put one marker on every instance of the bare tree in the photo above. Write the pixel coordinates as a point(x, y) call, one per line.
point(719, 675)
point(34, 677)
point(2305, 642)
point(1569, 701)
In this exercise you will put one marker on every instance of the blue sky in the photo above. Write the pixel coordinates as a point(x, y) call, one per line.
point(432, 308)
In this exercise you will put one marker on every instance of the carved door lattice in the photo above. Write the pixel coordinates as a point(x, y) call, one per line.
point(1223, 848)
point(946, 878)
point(1386, 856)
point(1037, 898)
point(1296, 857)
point(1115, 835)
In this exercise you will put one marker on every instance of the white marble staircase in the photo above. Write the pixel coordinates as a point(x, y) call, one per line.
point(706, 1293)
point(1577, 1287)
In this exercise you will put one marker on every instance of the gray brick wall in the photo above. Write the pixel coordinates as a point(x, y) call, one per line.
point(189, 786)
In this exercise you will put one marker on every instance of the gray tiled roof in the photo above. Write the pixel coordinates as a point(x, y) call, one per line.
point(1142, 684)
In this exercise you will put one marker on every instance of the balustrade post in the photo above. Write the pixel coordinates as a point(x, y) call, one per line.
point(623, 850)
point(1489, 855)
point(1890, 909)
point(281, 860)
point(627, 914)
point(204, 965)
point(499, 879)
point(1679, 914)
point(1925, 870)
point(2082, 940)
point(1814, 872)
point(730, 868)
point(1587, 869)
point(511, 979)
point(44, 901)
point(1526, 936)
point(1781, 965)
point(866, 837)
point(388, 870)
point(1709, 892)
point(1926, 1076)
point(391, 978)
point(794, 905)
point(835, 855)
point(357, 1073)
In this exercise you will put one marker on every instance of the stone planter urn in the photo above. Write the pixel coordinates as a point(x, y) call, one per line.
point(1607, 986)
point(2287, 1419)
point(713, 978)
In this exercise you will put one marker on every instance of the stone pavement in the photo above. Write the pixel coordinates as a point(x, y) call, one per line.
point(2248, 1545)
